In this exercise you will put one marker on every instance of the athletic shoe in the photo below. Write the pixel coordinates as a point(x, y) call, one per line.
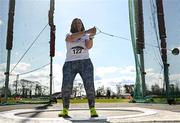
point(64, 113)
point(93, 112)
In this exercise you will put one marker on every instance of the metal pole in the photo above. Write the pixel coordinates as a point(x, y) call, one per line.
point(9, 43)
point(140, 41)
point(143, 73)
point(162, 35)
point(52, 40)
point(166, 79)
point(51, 73)
point(7, 74)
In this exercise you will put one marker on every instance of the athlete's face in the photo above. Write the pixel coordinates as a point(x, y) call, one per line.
point(78, 24)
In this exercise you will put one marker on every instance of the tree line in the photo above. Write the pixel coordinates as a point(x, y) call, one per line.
point(26, 89)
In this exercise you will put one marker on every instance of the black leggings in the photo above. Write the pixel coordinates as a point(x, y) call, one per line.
point(85, 69)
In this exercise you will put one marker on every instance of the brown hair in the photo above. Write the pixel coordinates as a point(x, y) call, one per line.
point(74, 28)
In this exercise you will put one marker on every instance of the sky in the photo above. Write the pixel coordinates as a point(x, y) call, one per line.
point(112, 57)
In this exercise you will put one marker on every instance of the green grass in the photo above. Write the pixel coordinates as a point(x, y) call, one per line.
point(112, 100)
point(33, 101)
point(98, 100)
point(159, 100)
point(164, 100)
point(12, 101)
point(43, 101)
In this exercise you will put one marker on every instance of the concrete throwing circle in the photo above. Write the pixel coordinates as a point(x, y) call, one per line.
point(80, 115)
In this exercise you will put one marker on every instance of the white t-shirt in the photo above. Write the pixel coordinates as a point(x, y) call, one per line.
point(77, 50)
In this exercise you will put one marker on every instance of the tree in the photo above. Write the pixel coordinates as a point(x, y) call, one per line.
point(172, 89)
point(75, 89)
point(118, 87)
point(38, 90)
point(156, 89)
point(23, 84)
point(27, 86)
point(80, 88)
point(108, 92)
point(45, 90)
point(2, 92)
point(17, 86)
point(177, 89)
point(100, 92)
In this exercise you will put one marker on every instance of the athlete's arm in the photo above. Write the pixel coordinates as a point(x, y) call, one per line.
point(89, 43)
point(74, 36)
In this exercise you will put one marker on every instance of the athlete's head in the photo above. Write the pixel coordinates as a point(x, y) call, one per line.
point(77, 25)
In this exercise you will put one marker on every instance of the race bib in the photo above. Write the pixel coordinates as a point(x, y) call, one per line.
point(77, 50)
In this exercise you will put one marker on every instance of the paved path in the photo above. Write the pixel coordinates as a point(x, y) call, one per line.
point(174, 108)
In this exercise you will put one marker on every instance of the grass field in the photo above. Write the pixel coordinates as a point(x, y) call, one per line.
point(101, 100)
point(98, 101)
point(41, 101)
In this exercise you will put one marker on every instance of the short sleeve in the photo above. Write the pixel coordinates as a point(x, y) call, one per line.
point(86, 37)
point(68, 34)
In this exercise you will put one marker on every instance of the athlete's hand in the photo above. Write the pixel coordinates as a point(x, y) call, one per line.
point(91, 31)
